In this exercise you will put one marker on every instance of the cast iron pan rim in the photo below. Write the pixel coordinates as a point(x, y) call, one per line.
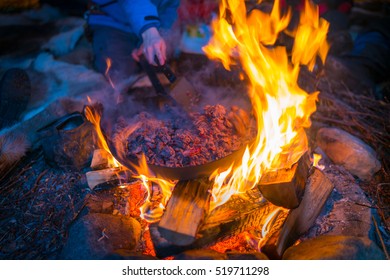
point(180, 173)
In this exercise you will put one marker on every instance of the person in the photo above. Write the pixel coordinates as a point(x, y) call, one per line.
point(123, 30)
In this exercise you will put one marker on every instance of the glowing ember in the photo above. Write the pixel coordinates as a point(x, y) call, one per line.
point(282, 109)
point(237, 243)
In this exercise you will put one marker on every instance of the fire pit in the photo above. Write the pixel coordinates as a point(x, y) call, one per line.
point(282, 111)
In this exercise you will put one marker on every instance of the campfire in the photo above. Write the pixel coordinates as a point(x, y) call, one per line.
point(270, 177)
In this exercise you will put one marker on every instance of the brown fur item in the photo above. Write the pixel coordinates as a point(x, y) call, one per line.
point(13, 146)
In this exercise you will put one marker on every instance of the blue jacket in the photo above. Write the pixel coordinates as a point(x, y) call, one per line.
point(135, 16)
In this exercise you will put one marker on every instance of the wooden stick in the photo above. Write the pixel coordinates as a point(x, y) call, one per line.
point(380, 238)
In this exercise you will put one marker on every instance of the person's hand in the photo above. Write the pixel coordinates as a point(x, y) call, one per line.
point(153, 45)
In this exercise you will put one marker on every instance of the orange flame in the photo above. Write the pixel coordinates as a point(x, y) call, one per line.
point(281, 107)
point(152, 209)
point(94, 117)
point(316, 162)
point(107, 73)
point(272, 223)
point(149, 211)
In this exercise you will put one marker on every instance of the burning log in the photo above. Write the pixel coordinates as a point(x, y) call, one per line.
point(104, 170)
point(317, 191)
point(187, 223)
point(234, 218)
point(98, 177)
point(115, 175)
point(240, 213)
point(101, 159)
point(285, 187)
point(185, 211)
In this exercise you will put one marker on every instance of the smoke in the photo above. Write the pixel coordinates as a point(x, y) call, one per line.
point(214, 84)
point(219, 86)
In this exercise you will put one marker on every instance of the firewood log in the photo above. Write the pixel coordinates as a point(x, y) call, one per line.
point(317, 191)
point(185, 211)
point(285, 187)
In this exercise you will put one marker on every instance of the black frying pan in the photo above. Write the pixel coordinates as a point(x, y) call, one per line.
point(170, 173)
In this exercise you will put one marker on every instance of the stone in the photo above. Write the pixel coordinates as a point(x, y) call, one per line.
point(335, 248)
point(348, 151)
point(94, 236)
point(201, 254)
point(99, 205)
point(246, 256)
point(347, 211)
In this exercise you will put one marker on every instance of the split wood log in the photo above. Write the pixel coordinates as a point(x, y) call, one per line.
point(240, 213)
point(254, 220)
point(235, 208)
point(117, 174)
point(185, 224)
point(317, 191)
point(101, 159)
point(285, 187)
point(185, 211)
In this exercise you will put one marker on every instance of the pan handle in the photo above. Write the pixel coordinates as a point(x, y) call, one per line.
point(166, 70)
point(150, 71)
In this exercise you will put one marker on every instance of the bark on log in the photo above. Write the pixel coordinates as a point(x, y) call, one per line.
point(317, 191)
point(185, 211)
point(285, 187)
point(253, 220)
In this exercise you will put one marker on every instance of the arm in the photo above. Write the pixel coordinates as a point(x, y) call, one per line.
point(145, 20)
point(141, 14)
